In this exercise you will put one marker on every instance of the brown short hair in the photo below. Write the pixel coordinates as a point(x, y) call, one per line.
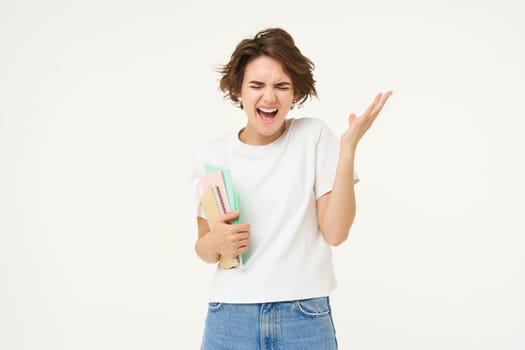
point(279, 45)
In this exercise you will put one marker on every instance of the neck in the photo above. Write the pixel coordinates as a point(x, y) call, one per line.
point(255, 139)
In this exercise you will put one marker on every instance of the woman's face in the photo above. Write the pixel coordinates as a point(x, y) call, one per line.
point(267, 96)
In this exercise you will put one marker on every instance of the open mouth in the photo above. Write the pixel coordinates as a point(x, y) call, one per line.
point(267, 115)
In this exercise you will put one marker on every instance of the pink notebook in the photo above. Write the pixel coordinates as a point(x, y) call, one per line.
point(215, 179)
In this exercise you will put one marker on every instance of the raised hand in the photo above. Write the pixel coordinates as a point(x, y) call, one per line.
point(358, 126)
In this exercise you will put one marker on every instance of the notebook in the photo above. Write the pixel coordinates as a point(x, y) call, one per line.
point(216, 201)
point(216, 179)
point(228, 184)
point(212, 205)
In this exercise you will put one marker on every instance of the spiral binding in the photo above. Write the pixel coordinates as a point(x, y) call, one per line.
point(219, 200)
point(220, 203)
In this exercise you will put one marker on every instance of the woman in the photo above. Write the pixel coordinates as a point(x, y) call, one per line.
point(295, 181)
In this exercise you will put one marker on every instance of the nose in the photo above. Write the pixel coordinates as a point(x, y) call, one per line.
point(269, 96)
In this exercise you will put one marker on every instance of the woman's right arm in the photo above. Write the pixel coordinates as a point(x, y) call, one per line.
point(206, 247)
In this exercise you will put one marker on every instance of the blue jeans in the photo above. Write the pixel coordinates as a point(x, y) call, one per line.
point(300, 324)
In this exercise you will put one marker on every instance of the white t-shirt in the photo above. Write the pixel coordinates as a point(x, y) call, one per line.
point(278, 184)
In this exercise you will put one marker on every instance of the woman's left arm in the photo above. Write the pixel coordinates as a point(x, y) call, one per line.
point(336, 209)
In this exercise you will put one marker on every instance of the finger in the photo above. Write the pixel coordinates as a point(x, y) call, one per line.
point(372, 106)
point(381, 103)
point(243, 241)
point(240, 228)
point(229, 216)
point(243, 237)
point(242, 244)
point(351, 119)
point(241, 248)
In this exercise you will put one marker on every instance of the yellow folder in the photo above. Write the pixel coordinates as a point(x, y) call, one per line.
point(213, 207)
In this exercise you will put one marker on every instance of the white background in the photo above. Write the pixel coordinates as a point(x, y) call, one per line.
point(103, 104)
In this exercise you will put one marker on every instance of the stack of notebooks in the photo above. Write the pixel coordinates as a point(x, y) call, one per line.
point(218, 198)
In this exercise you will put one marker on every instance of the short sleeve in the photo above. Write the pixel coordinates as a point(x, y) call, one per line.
point(327, 156)
point(196, 189)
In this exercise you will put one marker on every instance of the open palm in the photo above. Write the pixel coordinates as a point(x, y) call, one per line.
point(358, 126)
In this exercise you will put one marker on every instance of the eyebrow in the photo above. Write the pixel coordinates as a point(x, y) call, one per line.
point(282, 83)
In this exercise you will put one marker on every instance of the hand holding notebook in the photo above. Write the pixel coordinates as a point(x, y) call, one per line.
point(230, 240)
point(218, 199)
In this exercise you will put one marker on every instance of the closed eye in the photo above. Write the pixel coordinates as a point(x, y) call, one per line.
point(283, 86)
